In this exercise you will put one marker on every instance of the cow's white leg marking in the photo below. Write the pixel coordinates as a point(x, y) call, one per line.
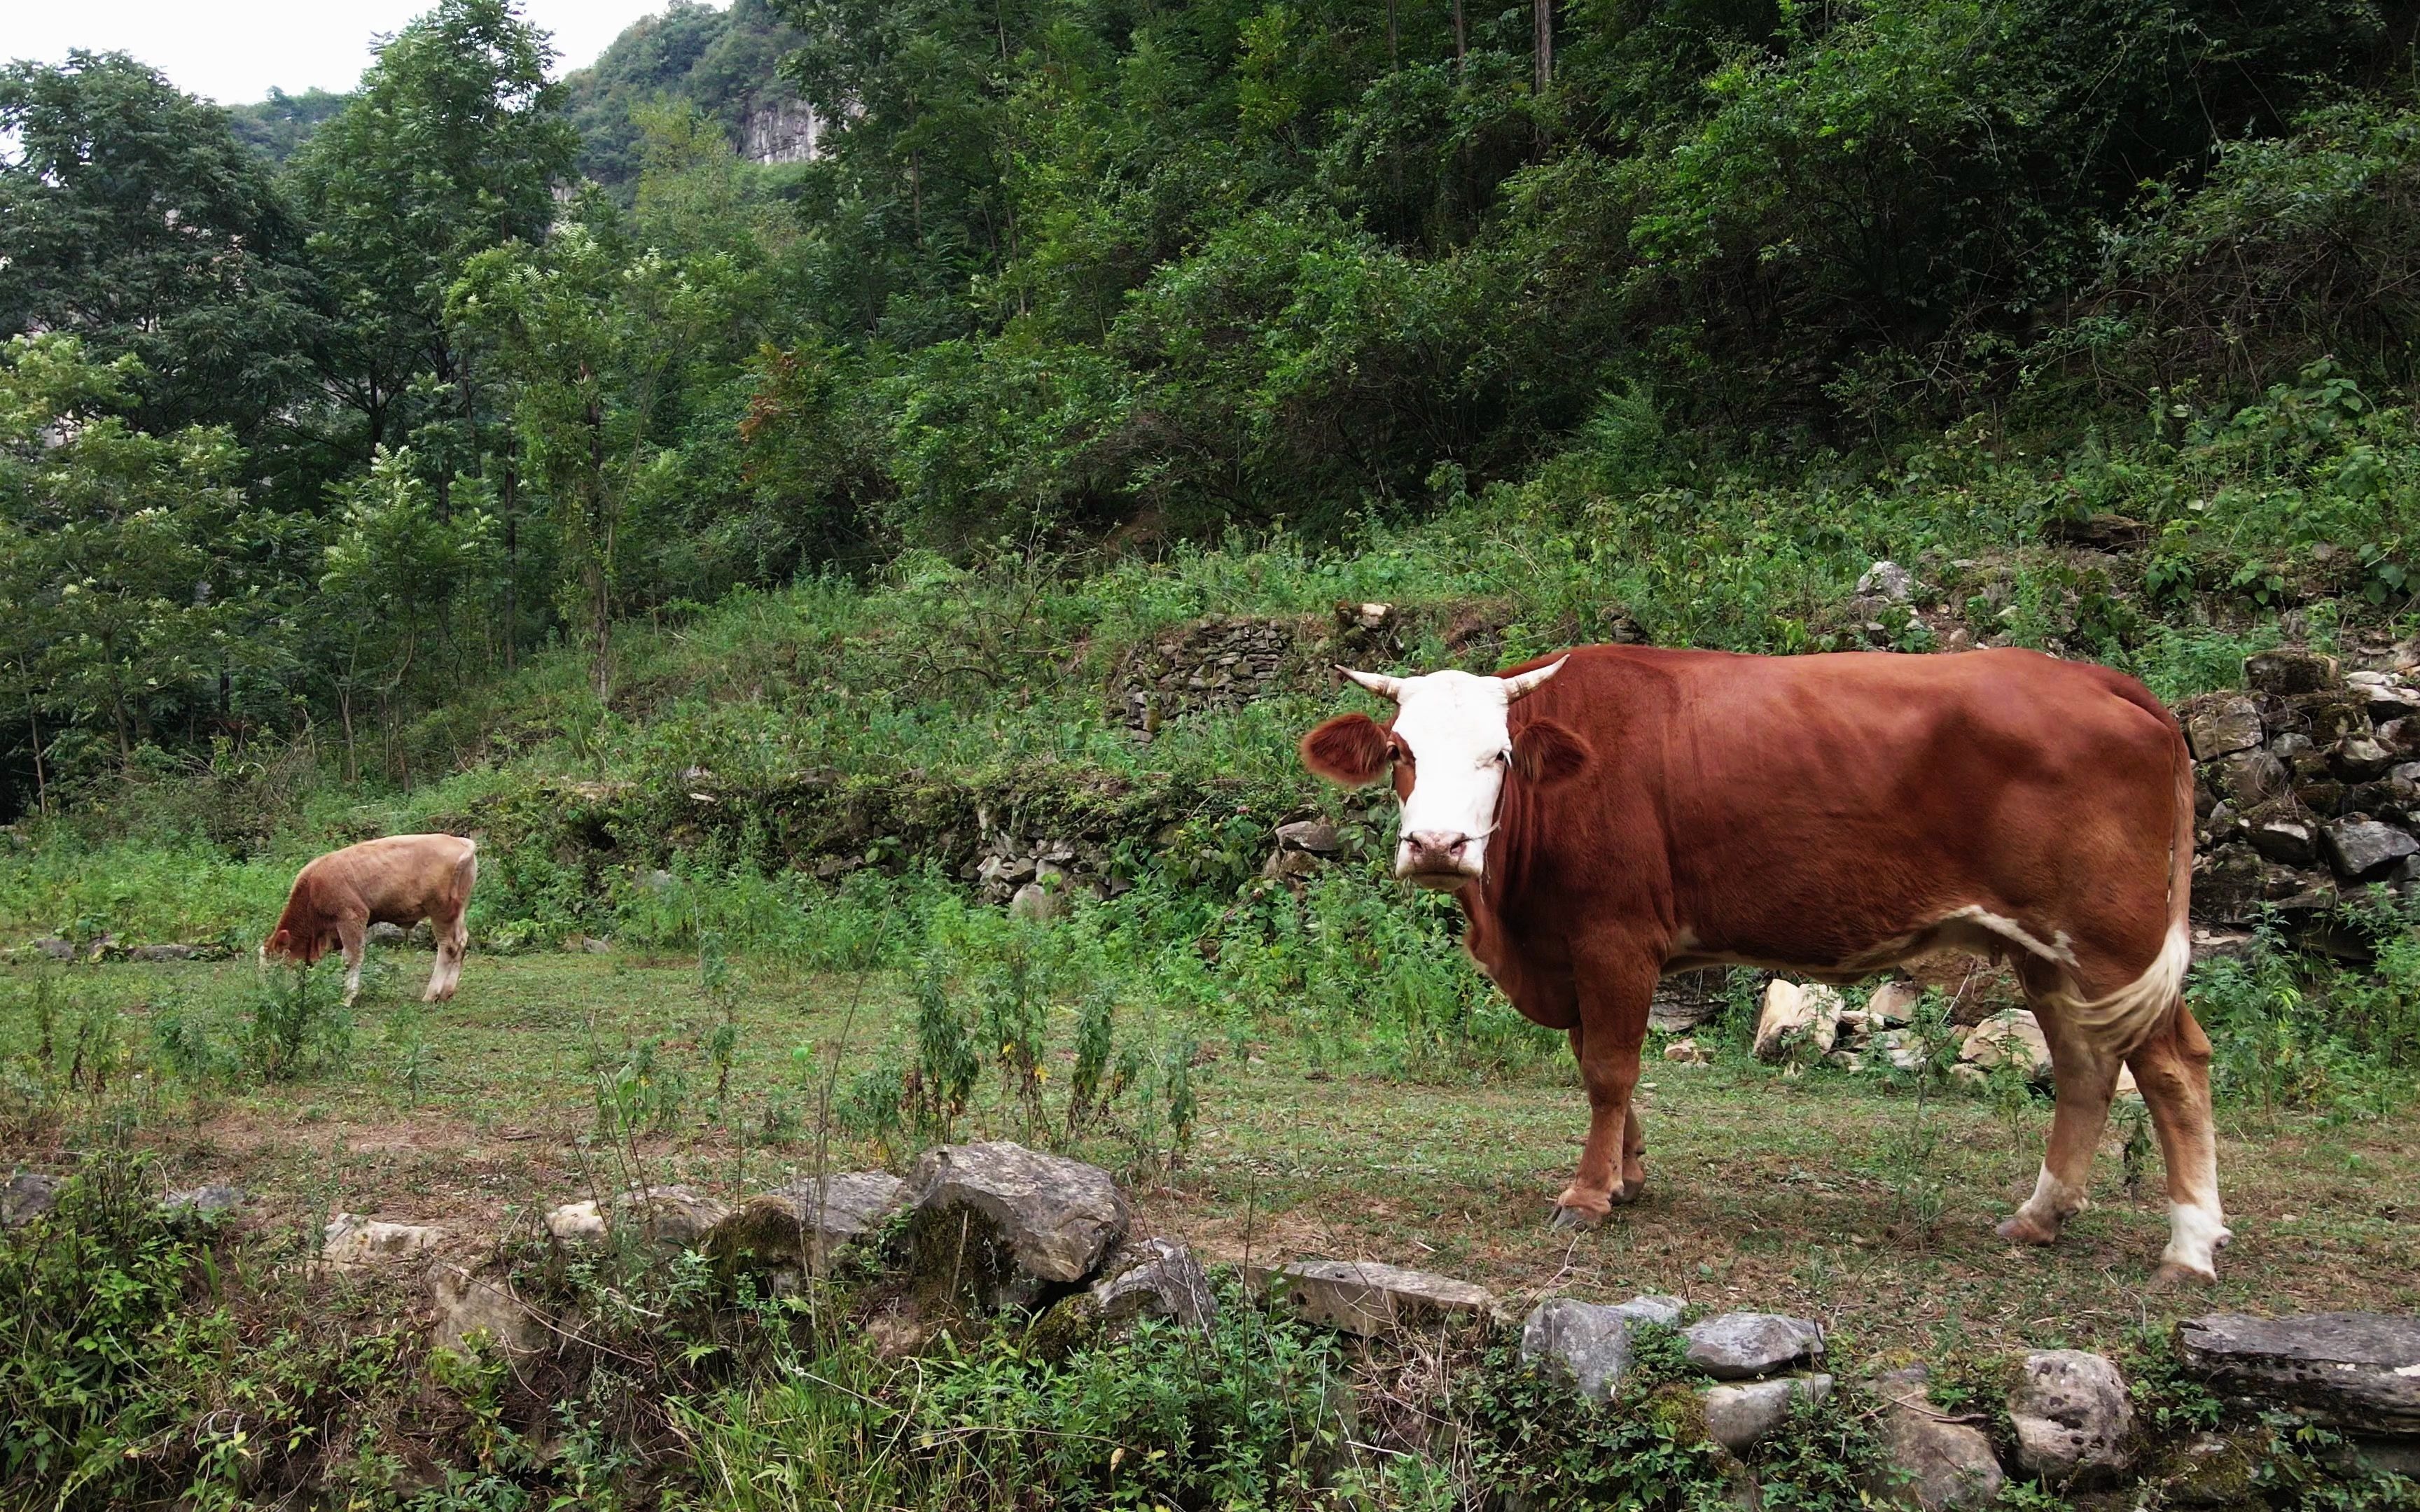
point(2172, 1067)
point(2053, 1204)
point(2194, 1234)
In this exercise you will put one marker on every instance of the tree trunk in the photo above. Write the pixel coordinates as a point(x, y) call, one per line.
point(512, 566)
point(600, 558)
point(1543, 19)
point(1461, 41)
point(1390, 35)
point(34, 723)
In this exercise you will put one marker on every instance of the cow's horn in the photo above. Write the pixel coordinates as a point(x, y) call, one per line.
point(1522, 683)
point(1387, 687)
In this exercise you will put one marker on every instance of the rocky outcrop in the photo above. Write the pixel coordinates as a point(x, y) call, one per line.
point(1010, 1225)
point(2308, 783)
point(779, 130)
point(2072, 1415)
point(1369, 1299)
point(2357, 1371)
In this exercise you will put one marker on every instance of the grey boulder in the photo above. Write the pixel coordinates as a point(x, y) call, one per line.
point(1010, 1222)
point(27, 1195)
point(2072, 1415)
point(2358, 847)
point(204, 1200)
point(1155, 1278)
point(2224, 727)
point(1739, 1346)
point(477, 1304)
point(1931, 1462)
point(1738, 1416)
point(352, 1242)
point(808, 1223)
point(1581, 1343)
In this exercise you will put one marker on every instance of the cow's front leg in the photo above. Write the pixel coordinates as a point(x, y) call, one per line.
point(1606, 1041)
point(353, 933)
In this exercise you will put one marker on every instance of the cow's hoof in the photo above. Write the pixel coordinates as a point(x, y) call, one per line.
point(1628, 1191)
point(2021, 1230)
point(1574, 1219)
point(2172, 1276)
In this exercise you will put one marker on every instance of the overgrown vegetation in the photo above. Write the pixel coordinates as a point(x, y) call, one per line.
point(742, 551)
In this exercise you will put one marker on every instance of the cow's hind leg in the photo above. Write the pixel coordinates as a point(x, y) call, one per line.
point(2087, 1078)
point(453, 938)
point(1613, 1026)
point(2172, 1068)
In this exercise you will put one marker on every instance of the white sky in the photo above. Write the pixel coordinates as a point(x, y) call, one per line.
point(232, 50)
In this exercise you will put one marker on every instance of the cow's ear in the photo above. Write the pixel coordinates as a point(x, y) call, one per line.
point(281, 943)
point(1547, 753)
point(1349, 749)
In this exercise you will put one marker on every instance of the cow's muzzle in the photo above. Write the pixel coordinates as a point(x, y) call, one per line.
point(1436, 859)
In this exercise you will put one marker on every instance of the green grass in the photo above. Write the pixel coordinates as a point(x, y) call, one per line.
point(1792, 1194)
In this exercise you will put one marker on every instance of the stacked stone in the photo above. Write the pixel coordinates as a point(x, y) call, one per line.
point(1222, 662)
point(2308, 784)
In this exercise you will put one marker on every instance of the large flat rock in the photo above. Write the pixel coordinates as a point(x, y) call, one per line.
point(1741, 1346)
point(2348, 1370)
point(1367, 1298)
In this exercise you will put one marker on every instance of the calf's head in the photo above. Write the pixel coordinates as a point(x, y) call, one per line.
point(1451, 746)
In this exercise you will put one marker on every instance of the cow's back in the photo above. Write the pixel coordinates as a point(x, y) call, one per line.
point(401, 879)
point(1797, 808)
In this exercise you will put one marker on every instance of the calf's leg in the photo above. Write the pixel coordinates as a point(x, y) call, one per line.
point(2172, 1068)
point(2086, 1076)
point(1613, 997)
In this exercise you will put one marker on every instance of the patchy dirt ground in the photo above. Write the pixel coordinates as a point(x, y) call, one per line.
point(1825, 1195)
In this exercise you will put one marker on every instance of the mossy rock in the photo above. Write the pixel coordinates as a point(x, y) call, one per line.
point(2207, 1469)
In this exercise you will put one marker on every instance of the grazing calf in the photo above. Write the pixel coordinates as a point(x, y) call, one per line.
point(400, 880)
point(1623, 812)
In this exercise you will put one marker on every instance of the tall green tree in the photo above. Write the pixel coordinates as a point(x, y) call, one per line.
point(397, 575)
point(452, 144)
point(133, 218)
point(126, 592)
point(591, 344)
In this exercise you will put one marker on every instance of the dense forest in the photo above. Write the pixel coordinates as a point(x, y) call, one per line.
point(320, 412)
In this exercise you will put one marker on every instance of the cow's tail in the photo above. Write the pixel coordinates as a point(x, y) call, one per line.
point(2142, 1008)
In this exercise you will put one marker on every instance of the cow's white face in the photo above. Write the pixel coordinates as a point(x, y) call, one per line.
point(1451, 746)
point(1454, 740)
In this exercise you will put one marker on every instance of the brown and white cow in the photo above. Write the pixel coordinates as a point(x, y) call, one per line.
point(1619, 812)
point(400, 880)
